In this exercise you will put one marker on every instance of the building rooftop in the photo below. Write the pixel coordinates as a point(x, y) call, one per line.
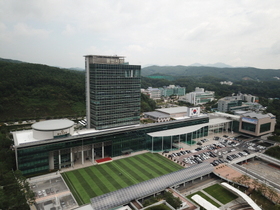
point(52, 125)
point(187, 129)
point(257, 115)
point(105, 56)
point(156, 114)
point(25, 137)
point(222, 114)
point(174, 109)
point(149, 187)
point(105, 59)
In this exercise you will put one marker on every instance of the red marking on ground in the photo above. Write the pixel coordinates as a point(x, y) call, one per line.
point(103, 160)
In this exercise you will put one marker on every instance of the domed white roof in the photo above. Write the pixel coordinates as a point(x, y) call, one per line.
point(52, 125)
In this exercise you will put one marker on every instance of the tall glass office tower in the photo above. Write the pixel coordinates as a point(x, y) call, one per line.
point(112, 92)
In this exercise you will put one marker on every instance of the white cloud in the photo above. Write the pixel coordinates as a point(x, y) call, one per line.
point(69, 30)
point(159, 32)
point(21, 29)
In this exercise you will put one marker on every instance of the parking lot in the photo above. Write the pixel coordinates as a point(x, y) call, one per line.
point(51, 193)
point(217, 150)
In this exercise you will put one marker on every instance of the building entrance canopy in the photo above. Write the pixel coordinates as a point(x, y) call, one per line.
point(188, 129)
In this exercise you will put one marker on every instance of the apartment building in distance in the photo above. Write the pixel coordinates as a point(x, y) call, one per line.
point(199, 96)
point(172, 90)
point(153, 93)
point(235, 102)
point(167, 91)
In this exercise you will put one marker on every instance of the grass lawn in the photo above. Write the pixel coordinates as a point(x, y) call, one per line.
point(220, 193)
point(96, 180)
point(205, 197)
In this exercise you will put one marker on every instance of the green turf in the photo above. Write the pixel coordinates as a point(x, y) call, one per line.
point(96, 180)
point(205, 197)
point(220, 193)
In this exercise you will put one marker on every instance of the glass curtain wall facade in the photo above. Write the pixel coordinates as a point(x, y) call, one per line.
point(172, 142)
point(114, 95)
point(41, 158)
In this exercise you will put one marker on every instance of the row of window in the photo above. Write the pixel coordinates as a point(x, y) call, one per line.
point(115, 97)
point(105, 126)
point(126, 120)
point(117, 93)
point(35, 170)
point(109, 107)
point(118, 87)
point(113, 66)
point(110, 76)
point(116, 111)
point(34, 162)
point(115, 116)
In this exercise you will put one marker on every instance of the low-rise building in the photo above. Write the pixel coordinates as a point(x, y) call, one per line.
point(235, 102)
point(249, 98)
point(229, 103)
point(257, 124)
point(226, 83)
point(199, 96)
point(172, 90)
point(166, 114)
point(153, 93)
point(157, 93)
point(157, 116)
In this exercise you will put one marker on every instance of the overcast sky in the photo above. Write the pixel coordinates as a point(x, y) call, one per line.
point(160, 32)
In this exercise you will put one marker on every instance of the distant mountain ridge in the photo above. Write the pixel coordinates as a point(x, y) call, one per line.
point(76, 69)
point(17, 61)
point(217, 65)
point(218, 70)
point(226, 73)
point(11, 60)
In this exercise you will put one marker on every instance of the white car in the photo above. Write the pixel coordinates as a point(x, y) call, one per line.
point(39, 193)
point(44, 192)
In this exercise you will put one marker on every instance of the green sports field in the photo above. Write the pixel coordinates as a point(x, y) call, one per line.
point(96, 180)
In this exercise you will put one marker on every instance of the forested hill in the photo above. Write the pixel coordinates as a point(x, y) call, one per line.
point(232, 74)
point(33, 91)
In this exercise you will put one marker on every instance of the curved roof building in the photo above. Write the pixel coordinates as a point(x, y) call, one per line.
point(51, 129)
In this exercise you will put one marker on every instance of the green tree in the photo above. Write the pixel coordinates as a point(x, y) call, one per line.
point(147, 104)
point(15, 192)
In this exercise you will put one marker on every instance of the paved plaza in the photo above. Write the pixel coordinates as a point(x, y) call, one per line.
point(51, 192)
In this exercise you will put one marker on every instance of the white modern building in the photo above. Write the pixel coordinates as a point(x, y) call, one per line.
point(199, 96)
point(249, 98)
point(166, 91)
point(153, 93)
point(173, 90)
point(226, 83)
point(235, 102)
point(166, 114)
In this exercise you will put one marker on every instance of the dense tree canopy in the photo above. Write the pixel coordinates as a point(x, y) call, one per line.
point(34, 90)
point(147, 104)
point(15, 192)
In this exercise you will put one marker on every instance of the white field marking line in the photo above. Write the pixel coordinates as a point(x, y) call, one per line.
point(124, 172)
point(74, 189)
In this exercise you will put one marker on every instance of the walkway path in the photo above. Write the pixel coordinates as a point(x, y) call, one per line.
point(214, 199)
